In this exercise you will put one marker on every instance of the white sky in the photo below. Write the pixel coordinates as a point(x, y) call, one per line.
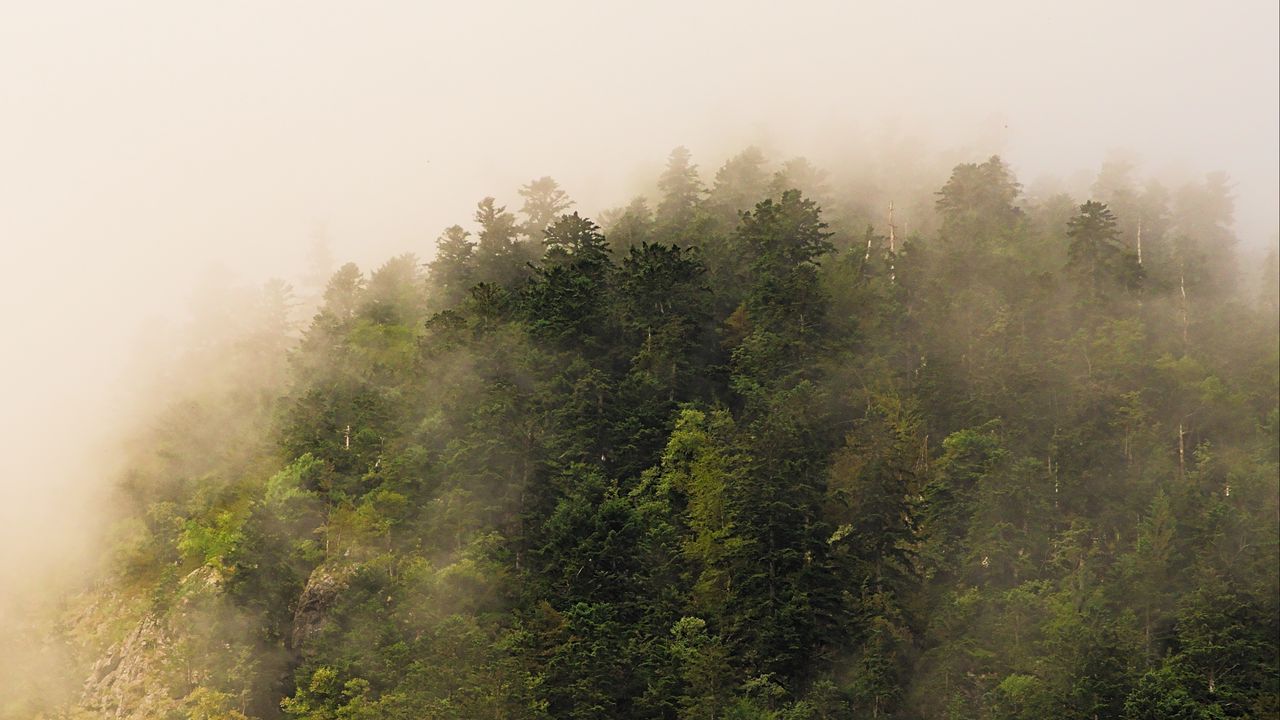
point(142, 142)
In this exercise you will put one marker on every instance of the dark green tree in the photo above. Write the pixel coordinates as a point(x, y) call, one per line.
point(500, 256)
point(1096, 258)
point(453, 270)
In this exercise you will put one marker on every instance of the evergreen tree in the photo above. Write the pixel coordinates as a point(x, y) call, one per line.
point(739, 184)
point(681, 190)
point(1096, 257)
point(629, 227)
point(453, 268)
point(544, 201)
point(500, 257)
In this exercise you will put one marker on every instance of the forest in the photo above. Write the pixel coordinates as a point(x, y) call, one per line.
point(749, 448)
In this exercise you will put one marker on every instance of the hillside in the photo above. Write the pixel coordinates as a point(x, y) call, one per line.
point(746, 451)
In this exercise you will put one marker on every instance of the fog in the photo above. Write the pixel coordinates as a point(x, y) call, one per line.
point(146, 147)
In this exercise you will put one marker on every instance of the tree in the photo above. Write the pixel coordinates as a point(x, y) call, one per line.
point(628, 227)
point(500, 258)
point(800, 174)
point(1096, 259)
point(574, 239)
point(739, 184)
point(1202, 217)
point(869, 497)
point(395, 294)
point(565, 299)
point(978, 207)
point(342, 294)
point(681, 192)
point(705, 670)
point(778, 566)
point(453, 268)
point(664, 304)
point(544, 201)
point(1150, 566)
point(784, 241)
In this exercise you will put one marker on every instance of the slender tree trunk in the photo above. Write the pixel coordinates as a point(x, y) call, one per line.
point(893, 246)
point(1182, 453)
point(1182, 287)
point(1139, 241)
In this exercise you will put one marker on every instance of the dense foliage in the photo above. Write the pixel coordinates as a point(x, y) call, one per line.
point(731, 457)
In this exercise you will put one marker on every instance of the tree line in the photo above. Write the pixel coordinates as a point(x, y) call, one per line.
point(736, 456)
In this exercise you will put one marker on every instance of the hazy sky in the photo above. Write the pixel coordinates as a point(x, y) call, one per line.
point(143, 142)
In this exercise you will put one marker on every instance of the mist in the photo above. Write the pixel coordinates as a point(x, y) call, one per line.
point(154, 155)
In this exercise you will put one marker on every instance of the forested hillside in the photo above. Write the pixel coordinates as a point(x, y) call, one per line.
point(746, 449)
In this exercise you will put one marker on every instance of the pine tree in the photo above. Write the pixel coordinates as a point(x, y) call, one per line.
point(739, 184)
point(1096, 258)
point(500, 258)
point(453, 268)
point(544, 201)
point(681, 192)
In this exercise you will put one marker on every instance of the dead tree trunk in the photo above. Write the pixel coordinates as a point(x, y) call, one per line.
point(1182, 453)
point(1139, 241)
point(1182, 287)
point(893, 245)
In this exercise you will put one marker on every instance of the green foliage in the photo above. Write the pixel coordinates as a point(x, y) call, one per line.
point(544, 201)
point(720, 460)
point(212, 542)
point(500, 257)
point(453, 269)
point(1096, 256)
point(681, 192)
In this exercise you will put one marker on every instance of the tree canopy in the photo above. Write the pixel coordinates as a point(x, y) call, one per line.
point(727, 458)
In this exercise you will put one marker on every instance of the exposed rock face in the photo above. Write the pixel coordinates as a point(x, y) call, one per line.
point(137, 676)
point(323, 589)
point(128, 681)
